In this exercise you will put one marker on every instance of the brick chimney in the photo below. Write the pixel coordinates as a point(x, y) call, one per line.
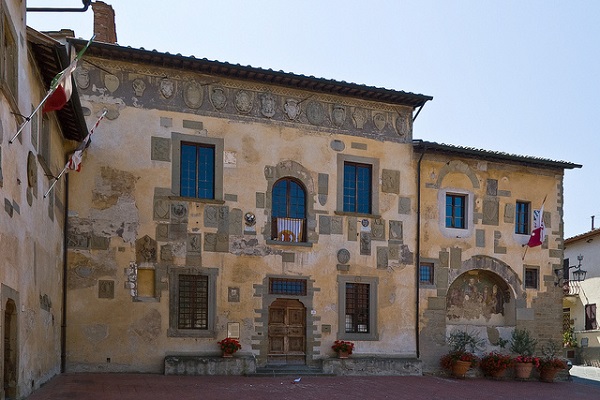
point(104, 22)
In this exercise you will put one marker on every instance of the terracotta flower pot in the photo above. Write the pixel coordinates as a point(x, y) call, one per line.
point(523, 370)
point(227, 354)
point(460, 368)
point(343, 354)
point(498, 373)
point(548, 374)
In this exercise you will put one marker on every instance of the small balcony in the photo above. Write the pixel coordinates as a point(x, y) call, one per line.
point(571, 288)
point(290, 230)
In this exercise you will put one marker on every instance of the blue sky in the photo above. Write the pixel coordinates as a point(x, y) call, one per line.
point(519, 77)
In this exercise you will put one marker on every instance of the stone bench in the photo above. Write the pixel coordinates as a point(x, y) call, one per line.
point(209, 365)
point(357, 365)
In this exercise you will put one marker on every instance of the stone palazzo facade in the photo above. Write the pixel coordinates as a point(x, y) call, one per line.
point(290, 212)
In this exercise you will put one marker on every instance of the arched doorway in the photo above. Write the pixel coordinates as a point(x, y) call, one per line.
point(10, 350)
point(287, 332)
point(481, 302)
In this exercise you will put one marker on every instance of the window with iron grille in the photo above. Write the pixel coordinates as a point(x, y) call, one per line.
point(197, 176)
point(531, 278)
point(522, 218)
point(357, 299)
point(288, 210)
point(292, 287)
point(193, 302)
point(357, 188)
point(357, 308)
point(456, 208)
point(426, 274)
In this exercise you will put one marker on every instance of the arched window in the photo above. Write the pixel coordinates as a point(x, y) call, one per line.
point(289, 211)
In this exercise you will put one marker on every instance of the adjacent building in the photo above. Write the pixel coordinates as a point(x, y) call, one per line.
point(32, 224)
point(580, 280)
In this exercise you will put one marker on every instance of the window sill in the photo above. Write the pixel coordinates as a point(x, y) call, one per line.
point(358, 215)
point(192, 333)
point(296, 244)
point(196, 200)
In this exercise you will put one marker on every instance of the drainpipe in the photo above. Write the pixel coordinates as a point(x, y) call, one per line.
point(418, 249)
point(86, 4)
point(63, 324)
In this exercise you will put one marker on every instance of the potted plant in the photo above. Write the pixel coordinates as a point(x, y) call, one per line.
point(343, 348)
point(494, 364)
point(550, 364)
point(524, 346)
point(569, 339)
point(461, 357)
point(229, 346)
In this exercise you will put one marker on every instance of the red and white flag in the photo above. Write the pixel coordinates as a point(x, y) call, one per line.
point(74, 162)
point(61, 86)
point(538, 234)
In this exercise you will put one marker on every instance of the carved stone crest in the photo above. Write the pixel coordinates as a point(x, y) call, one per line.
point(82, 78)
point(111, 82)
point(379, 121)
point(402, 125)
point(167, 88)
point(139, 86)
point(193, 95)
point(359, 118)
point(243, 102)
point(315, 113)
point(217, 96)
point(343, 256)
point(267, 105)
point(338, 115)
point(292, 109)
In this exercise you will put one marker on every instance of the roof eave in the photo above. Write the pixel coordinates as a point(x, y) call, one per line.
point(269, 76)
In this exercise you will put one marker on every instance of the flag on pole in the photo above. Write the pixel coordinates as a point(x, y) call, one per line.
point(538, 234)
point(61, 86)
point(74, 162)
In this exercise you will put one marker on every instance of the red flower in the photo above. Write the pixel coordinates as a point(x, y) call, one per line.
point(229, 345)
point(343, 346)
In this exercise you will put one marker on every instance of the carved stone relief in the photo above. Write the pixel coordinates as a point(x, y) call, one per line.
point(193, 95)
point(145, 250)
point(382, 257)
point(378, 229)
point(194, 243)
point(167, 88)
point(379, 121)
point(106, 289)
point(139, 87)
point(402, 125)
point(343, 256)
point(243, 102)
point(179, 213)
point(161, 149)
point(390, 181)
point(359, 117)
point(82, 78)
point(396, 230)
point(267, 105)
point(315, 113)
point(111, 82)
point(365, 243)
point(292, 109)
point(218, 98)
point(338, 115)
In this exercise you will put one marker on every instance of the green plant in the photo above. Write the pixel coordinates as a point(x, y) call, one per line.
point(550, 360)
point(493, 362)
point(522, 343)
point(465, 341)
point(343, 346)
point(569, 339)
point(229, 345)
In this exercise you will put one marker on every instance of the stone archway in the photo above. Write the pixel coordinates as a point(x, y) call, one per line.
point(10, 350)
point(482, 297)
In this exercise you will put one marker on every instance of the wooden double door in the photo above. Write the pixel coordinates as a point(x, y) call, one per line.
point(287, 332)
